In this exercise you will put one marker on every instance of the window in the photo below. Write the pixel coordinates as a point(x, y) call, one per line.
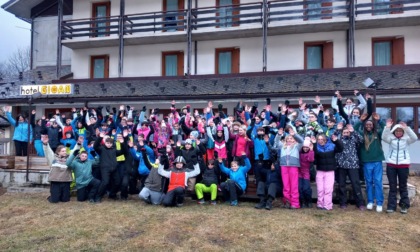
point(171, 9)
point(410, 114)
point(317, 10)
point(318, 55)
point(383, 7)
point(227, 60)
point(388, 51)
point(101, 11)
point(384, 112)
point(405, 114)
point(226, 15)
point(418, 120)
point(99, 66)
point(173, 63)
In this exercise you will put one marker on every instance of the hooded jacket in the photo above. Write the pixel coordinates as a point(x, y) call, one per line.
point(398, 147)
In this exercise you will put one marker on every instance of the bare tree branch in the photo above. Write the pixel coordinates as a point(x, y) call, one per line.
point(19, 61)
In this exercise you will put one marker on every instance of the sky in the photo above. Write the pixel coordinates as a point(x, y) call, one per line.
point(14, 33)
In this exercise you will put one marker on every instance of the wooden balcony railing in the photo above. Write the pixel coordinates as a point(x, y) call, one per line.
point(250, 14)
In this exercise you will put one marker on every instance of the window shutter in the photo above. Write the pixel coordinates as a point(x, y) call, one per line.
point(235, 60)
point(398, 57)
point(328, 55)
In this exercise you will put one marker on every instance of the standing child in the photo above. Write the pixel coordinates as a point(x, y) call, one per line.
point(306, 157)
point(177, 181)
point(289, 162)
point(236, 184)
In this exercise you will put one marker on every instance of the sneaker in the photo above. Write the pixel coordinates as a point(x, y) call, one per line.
point(234, 203)
point(91, 201)
point(179, 204)
point(369, 206)
point(379, 209)
point(201, 202)
point(260, 205)
point(286, 205)
point(343, 206)
point(294, 207)
point(213, 202)
point(362, 208)
point(404, 210)
point(98, 200)
point(269, 205)
point(390, 210)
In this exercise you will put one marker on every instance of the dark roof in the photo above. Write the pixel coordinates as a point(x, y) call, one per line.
point(390, 79)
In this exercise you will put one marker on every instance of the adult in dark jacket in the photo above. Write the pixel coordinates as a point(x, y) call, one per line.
point(348, 165)
point(325, 151)
point(39, 128)
point(54, 134)
point(108, 163)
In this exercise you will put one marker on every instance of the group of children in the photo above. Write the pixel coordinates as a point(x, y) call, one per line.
point(185, 152)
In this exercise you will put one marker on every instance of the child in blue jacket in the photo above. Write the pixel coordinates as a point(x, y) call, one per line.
point(236, 184)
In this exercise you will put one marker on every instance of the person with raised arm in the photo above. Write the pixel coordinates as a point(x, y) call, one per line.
point(398, 161)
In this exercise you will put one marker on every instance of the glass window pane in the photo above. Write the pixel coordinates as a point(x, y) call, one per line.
point(406, 114)
point(382, 53)
point(225, 62)
point(384, 113)
point(314, 9)
point(171, 65)
point(380, 5)
point(99, 68)
point(225, 14)
point(101, 11)
point(314, 57)
point(171, 15)
point(418, 123)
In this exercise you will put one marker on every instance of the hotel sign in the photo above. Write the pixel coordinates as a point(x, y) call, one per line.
point(47, 89)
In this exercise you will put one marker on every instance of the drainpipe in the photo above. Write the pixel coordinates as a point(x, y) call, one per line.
point(189, 37)
point(59, 46)
point(121, 39)
point(350, 35)
point(265, 27)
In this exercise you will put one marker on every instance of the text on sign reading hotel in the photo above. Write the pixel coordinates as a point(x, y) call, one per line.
point(50, 89)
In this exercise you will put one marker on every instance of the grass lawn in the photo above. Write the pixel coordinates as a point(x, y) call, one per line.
point(29, 223)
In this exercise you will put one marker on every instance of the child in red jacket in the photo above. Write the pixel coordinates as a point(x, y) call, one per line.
point(178, 178)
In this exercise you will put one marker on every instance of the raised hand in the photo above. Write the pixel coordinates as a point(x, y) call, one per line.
point(356, 92)
point(281, 131)
point(389, 123)
point(340, 126)
point(334, 138)
point(300, 101)
point(367, 96)
point(313, 139)
point(376, 116)
point(6, 109)
point(57, 111)
point(363, 117)
point(350, 128)
point(33, 112)
point(403, 125)
point(44, 139)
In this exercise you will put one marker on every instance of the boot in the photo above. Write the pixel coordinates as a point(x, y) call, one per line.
point(269, 204)
point(262, 204)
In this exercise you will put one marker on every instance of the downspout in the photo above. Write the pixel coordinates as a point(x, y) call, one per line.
point(31, 66)
point(189, 37)
point(121, 39)
point(59, 46)
point(265, 27)
point(350, 36)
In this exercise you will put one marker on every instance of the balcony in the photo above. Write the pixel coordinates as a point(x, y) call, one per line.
point(237, 21)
